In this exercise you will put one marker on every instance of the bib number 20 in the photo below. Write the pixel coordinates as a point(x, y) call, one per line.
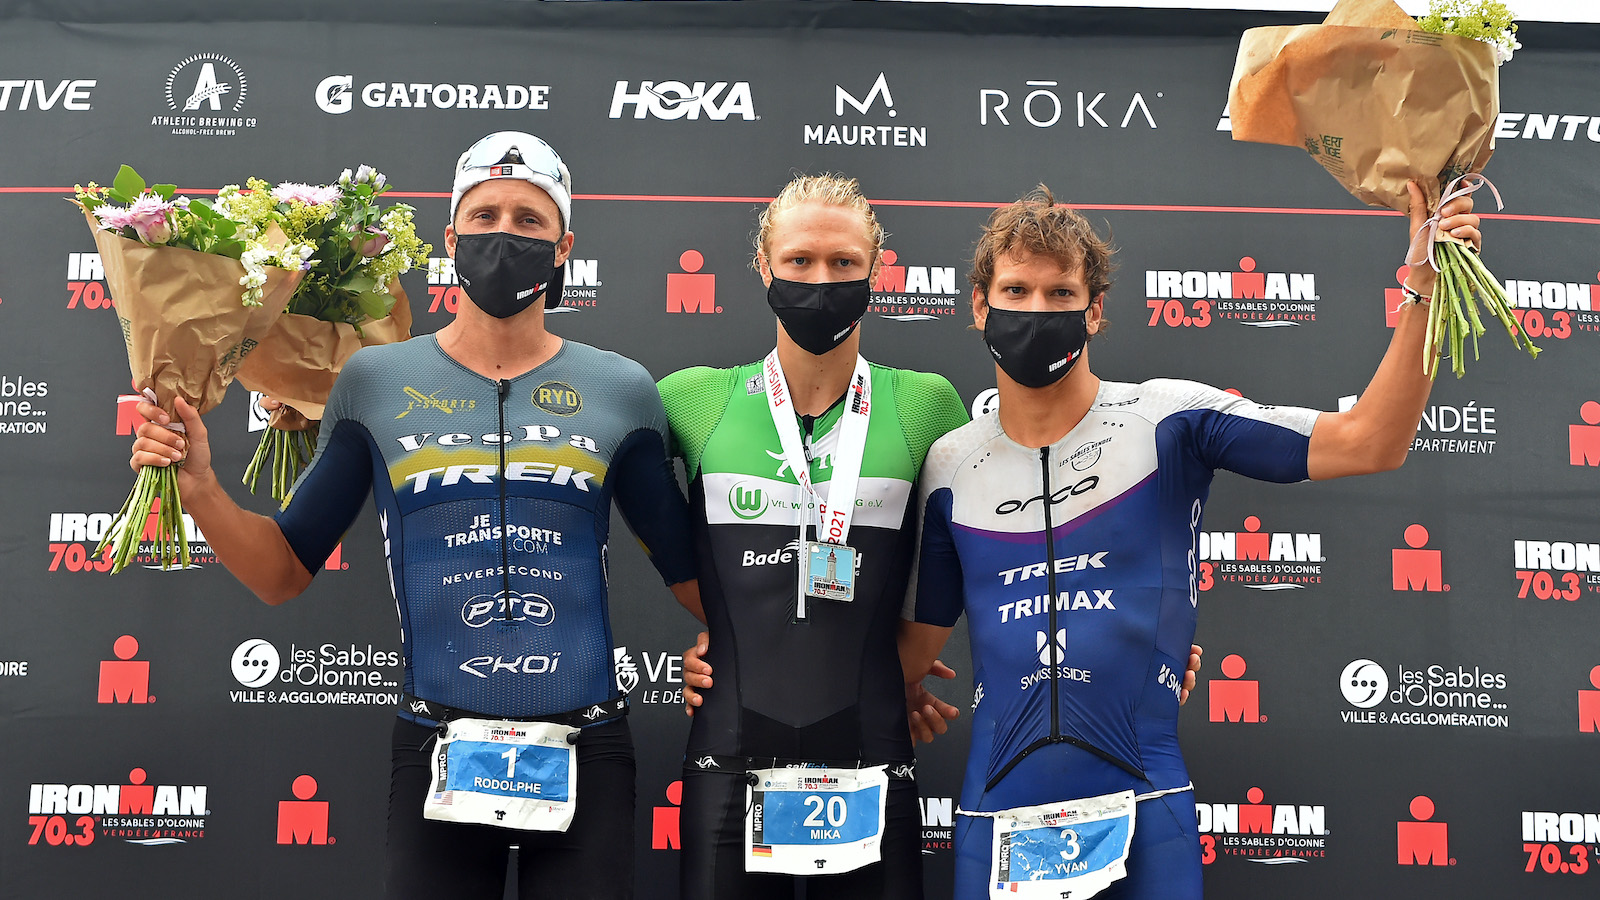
point(836, 809)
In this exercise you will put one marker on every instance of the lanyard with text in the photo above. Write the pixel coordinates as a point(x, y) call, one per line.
point(828, 565)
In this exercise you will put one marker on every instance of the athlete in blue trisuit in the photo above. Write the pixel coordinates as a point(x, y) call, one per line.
point(493, 450)
point(1090, 492)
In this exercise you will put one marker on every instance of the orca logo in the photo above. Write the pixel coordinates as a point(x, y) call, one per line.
point(336, 94)
point(1083, 487)
point(255, 663)
point(1364, 683)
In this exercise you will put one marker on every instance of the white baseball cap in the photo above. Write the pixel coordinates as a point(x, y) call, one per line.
point(514, 154)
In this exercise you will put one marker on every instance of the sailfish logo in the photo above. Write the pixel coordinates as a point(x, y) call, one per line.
point(746, 503)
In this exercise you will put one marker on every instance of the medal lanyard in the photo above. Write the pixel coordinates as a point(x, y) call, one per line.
point(833, 522)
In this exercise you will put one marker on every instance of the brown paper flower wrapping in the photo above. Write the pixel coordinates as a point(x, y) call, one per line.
point(1374, 100)
point(182, 320)
point(301, 356)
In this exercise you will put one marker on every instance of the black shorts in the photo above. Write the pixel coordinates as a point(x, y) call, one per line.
point(712, 830)
point(593, 858)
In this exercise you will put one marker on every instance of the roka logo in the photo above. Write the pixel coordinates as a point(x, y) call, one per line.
point(1259, 299)
point(678, 100)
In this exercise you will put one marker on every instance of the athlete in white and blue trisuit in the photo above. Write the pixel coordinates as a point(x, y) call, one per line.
point(1091, 492)
point(493, 451)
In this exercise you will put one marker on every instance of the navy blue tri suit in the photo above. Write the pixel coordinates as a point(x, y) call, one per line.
point(1106, 520)
point(494, 498)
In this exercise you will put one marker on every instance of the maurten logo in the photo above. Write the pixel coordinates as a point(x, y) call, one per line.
point(856, 134)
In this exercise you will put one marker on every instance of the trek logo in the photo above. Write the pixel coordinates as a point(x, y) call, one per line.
point(904, 293)
point(1066, 601)
point(72, 95)
point(303, 820)
point(580, 287)
point(1415, 567)
point(205, 93)
point(1259, 299)
point(627, 671)
point(784, 555)
point(1260, 560)
point(1008, 507)
point(1559, 570)
point(1233, 699)
point(21, 409)
point(692, 291)
point(125, 679)
point(531, 664)
point(1432, 695)
point(747, 502)
point(335, 95)
point(1583, 441)
point(1042, 107)
point(1063, 564)
point(86, 288)
point(557, 398)
point(678, 100)
point(1555, 309)
point(859, 135)
point(1279, 834)
point(1423, 843)
point(485, 610)
point(135, 813)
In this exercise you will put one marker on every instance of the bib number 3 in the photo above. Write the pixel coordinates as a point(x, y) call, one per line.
point(1074, 849)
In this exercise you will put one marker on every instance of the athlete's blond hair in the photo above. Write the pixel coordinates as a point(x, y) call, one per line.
point(830, 189)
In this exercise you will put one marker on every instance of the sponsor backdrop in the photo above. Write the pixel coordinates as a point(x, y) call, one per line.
point(1402, 689)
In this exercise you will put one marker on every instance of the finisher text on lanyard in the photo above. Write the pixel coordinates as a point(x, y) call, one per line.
point(827, 567)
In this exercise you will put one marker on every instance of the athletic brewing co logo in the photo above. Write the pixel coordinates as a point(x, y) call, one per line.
point(1260, 560)
point(580, 290)
point(205, 95)
point(661, 671)
point(678, 100)
point(557, 398)
point(905, 293)
point(22, 405)
point(71, 95)
point(303, 820)
point(326, 675)
point(1556, 570)
point(1268, 834)
point(1195, 299)
point(856, 134)
point(1430, 695)
point(77, 815)
point(1041, 105)
point(335, 95)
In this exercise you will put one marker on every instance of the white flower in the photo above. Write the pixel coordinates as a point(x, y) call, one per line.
point(344, 178)
point(364, 174)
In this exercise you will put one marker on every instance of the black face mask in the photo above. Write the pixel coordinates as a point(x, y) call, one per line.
point(818, 317)
point(504, 273)
point(1036, 349)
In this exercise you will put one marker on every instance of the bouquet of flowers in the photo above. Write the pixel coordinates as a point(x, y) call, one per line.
point(194, 293)
point(1379, 99)
point(350, 297)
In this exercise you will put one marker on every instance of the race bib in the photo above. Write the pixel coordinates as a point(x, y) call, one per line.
point(814, 820)
point(509, 774)
point(1062, 851)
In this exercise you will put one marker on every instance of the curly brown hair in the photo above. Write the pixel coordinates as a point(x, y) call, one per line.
point(1035, 225)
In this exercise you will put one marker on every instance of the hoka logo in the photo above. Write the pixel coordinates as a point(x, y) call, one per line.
point(746, 503)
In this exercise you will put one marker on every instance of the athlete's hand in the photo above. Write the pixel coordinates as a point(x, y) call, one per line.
point(1189, 673)
point(696, 673)
point(926, 714)
point(1455, 219)
point(158, 445)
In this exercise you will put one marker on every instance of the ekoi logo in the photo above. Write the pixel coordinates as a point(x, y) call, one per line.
point(747, 502)
point(1556, 570)
point(1278, 834)
point(904, 293)
point(1260, 560)
point(1194, 298)
point(136, 812)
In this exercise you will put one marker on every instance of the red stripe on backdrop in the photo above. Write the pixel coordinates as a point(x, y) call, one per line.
point(936, 204)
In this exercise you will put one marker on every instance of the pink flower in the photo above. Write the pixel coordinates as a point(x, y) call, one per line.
point(370, 242)
point(147, 216)
point(311, 195)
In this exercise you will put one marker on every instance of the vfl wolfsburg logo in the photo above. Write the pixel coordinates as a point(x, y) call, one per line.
point(746, 503)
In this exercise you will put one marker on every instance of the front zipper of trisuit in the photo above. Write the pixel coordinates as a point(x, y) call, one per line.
point(1056, 654)
point(503, 388)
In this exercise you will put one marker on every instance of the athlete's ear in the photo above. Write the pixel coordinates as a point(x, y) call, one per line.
point(1096, 313)
point(764, 268)
point(450, 240)
point(980, 307)
point(877, 263)
point(564, 248)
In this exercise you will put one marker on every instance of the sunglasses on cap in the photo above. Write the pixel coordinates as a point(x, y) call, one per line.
point(515, 148)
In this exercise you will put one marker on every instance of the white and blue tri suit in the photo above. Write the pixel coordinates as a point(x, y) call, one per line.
point(1079, 698)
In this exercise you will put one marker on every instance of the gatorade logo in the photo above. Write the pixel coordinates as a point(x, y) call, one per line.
point(746, 503)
